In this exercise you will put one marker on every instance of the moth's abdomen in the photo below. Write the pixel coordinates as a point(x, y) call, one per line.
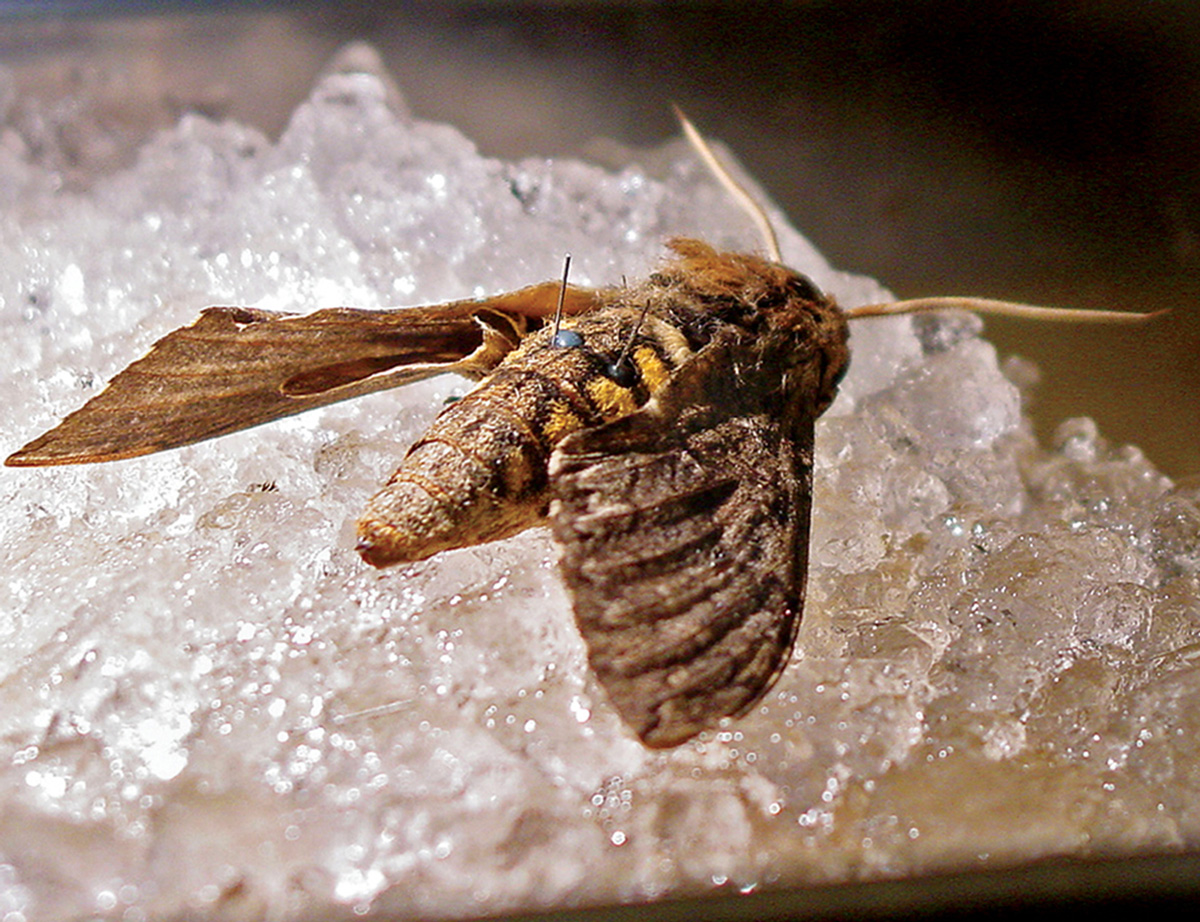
point(480, 473)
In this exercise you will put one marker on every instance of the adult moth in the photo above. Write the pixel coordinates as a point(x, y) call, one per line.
point(664, 428)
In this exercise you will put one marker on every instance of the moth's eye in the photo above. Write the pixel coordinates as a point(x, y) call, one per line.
point(803, 287)
point(566, 339)
point(621, 372)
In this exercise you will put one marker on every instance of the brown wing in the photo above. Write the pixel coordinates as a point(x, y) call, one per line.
point(238, 367)
point(684, 533)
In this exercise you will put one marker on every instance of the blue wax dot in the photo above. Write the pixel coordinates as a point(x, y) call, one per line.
point(566, 339)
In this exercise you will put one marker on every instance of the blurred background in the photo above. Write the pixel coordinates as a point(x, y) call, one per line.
point(1034, 151)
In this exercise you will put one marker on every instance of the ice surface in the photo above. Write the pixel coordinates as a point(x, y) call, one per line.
point(210, 706)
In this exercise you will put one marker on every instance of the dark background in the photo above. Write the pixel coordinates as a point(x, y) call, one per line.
point(1042, 152)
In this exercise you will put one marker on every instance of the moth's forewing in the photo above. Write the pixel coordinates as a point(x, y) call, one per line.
point(238, 367)
point(684, 532)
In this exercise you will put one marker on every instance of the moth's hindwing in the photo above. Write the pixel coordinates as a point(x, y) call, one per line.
point(684, 532)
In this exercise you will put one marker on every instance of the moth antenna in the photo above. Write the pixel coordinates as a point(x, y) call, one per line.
point(564, 339)
point(620, 371)
point(732, 186)
point(1002, 309)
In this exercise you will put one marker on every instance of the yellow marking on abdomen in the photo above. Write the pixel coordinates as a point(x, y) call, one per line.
point(612, 400)
point(518, 474)
point(652, 369)
point(561, 421)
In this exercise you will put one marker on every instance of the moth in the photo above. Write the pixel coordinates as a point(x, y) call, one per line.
point(664, 429)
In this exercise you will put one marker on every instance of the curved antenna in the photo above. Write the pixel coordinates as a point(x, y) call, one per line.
point(915, 305)
point(732, 186)
point(1001, 309)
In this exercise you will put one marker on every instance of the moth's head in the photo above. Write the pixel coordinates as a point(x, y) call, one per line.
point(812, 336)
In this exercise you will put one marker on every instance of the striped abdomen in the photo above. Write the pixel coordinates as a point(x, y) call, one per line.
point(480, 473)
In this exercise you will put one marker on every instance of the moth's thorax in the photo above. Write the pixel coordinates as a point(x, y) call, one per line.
point(799, 330)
